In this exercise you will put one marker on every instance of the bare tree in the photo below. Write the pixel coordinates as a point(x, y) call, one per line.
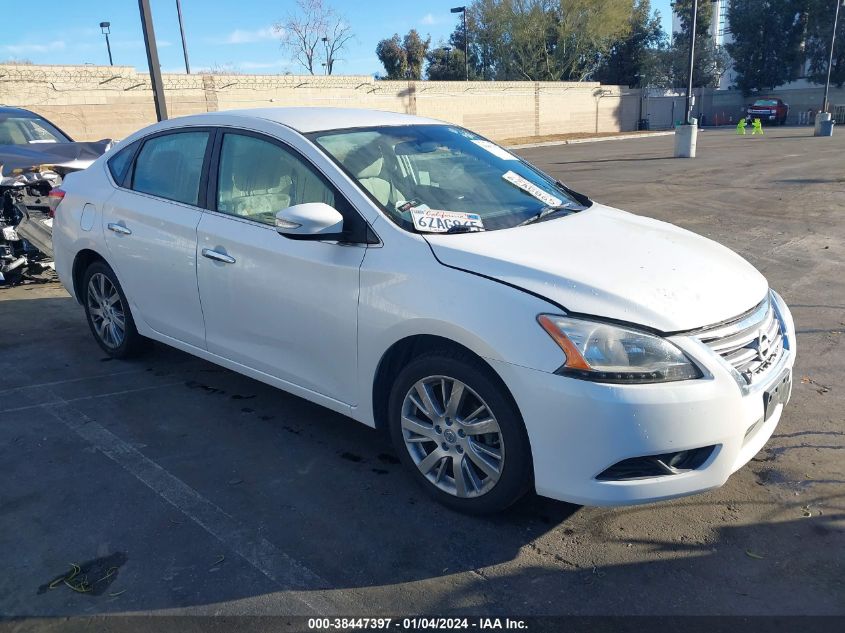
point(338, 33)
point(312, 24)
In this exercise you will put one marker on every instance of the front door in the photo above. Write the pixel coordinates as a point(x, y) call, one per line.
point(284, 307)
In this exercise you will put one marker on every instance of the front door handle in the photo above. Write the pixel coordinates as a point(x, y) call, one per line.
point(119, 228)
point(218, 257)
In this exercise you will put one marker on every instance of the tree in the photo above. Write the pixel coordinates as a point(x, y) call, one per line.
point(632, 60)
point(537, 40)
point(393, 57)
point(415, 52)
point(767, 40)
point(710, 61)
point(403, 58)
point(445, 63)
point(586, 32)
point(819, 29)
point(303, 32)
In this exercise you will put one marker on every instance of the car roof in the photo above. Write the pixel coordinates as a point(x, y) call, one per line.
point(18, 111)
point(316, 119)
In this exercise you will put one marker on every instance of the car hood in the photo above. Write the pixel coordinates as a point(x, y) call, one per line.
point(62, 157)
point(609, 263)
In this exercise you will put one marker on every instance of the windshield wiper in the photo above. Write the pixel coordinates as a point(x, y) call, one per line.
point(545, 211)
point(463, 228)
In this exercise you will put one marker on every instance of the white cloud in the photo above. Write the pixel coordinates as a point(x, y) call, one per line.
point(26, 48)
point(241, 36)
point(429, 20)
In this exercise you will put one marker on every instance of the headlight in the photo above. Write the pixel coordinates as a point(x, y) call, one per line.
point(607, 353)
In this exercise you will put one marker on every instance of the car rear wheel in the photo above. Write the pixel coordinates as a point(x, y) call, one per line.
point(108, 313)
point(459, 433)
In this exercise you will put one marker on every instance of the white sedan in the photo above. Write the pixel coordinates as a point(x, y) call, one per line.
point(507, 331)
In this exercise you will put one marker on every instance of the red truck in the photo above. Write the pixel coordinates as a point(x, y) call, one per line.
point(768, 110)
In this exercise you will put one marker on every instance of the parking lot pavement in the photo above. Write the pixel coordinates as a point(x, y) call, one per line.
point(212, 493)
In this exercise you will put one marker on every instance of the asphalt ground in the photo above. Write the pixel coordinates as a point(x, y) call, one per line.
point(181, 487)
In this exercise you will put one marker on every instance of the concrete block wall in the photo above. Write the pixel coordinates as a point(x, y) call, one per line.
point(93, 102)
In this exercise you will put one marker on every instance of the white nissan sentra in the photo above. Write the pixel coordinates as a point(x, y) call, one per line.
point(509, 332)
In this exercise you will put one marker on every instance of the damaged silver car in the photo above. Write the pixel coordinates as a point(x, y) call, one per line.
point(35, 156)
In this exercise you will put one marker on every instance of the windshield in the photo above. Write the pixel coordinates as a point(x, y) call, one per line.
point(430, 177)
point(766, 102)
point(26, 130)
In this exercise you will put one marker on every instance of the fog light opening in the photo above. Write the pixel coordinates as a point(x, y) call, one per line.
point(662, 465)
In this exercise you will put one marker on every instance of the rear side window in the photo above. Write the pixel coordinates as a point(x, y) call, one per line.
point(170, 166)
point(120, 162)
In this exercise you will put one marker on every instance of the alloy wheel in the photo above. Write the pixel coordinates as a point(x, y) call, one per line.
point(107, 311)
point(452, 436)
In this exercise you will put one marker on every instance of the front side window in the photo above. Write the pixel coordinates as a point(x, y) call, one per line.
point(170, 166)
point(258, 178)
point(444, 171)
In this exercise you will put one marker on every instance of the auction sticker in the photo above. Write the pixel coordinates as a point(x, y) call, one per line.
point(530, 188)
point(436, 221)
point(498, 152)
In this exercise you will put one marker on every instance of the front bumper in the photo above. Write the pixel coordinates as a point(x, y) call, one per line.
point(578, 429)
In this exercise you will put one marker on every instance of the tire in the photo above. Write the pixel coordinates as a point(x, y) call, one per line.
point(446, 440)
point(115, 332)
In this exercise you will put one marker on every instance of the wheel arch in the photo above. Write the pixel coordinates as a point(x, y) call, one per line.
point(81, 262)
point(403, 351)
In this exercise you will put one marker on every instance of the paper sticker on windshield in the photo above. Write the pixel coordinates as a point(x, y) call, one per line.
point(530, 188)
point(410, 205)
point(494, 149)
point(436, 221)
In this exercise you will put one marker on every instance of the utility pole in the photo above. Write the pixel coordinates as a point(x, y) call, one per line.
point(690, 98)
point(830, 58)
point(466, 38)
point(182, 33)
point(152, 59)
point(104, 28)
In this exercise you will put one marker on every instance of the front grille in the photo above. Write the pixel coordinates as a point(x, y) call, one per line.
point(751, 343)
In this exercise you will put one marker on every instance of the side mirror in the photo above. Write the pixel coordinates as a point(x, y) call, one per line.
point(310, 221)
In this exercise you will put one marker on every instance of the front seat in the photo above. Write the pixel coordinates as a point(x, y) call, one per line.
point(382, 190)
point(261, 188)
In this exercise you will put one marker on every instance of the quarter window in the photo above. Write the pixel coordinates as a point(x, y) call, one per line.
point(257, 179)
point(170, 166)
point(119, 163)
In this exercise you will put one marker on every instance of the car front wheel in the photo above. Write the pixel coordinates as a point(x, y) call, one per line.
point(108, 313)
point(462, 437)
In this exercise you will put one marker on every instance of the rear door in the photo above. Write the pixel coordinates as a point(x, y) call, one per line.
point(150, 225)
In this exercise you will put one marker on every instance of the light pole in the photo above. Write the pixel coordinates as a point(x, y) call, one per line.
point(152, 59)
point(689, 104)
point(104, 28)
point(463, 10)
point(830, 58)
point(328, 63)
point(182, 33)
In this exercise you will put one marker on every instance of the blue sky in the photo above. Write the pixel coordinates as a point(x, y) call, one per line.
point(220, 33)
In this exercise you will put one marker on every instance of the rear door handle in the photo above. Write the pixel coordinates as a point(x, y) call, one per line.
point(119, 228)
point(218, 257)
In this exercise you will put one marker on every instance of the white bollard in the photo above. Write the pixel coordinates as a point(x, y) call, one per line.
point(685, 140)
